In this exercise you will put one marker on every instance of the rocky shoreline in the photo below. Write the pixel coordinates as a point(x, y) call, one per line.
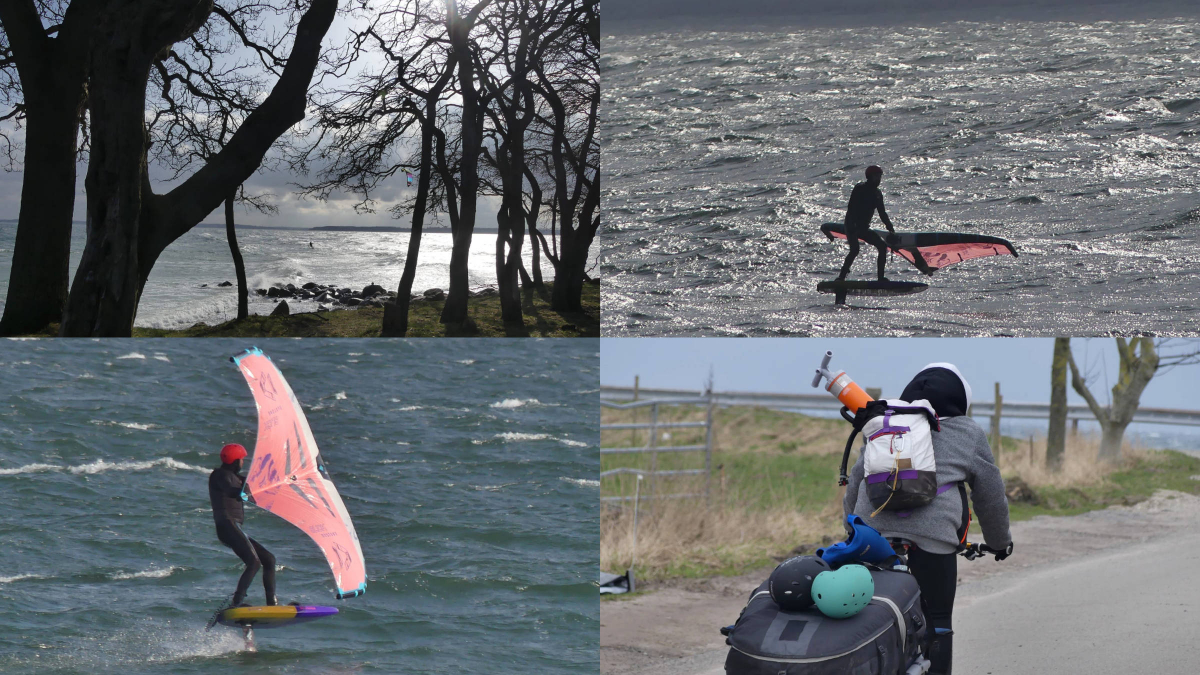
point(329, 297)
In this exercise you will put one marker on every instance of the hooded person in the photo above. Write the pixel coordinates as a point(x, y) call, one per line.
point(225, 489)
point(938, 530)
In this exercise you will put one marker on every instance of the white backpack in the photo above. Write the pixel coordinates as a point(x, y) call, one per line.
point(898, 464)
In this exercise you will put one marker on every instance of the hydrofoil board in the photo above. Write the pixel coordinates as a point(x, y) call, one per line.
point(273, 616)
point(841, 289)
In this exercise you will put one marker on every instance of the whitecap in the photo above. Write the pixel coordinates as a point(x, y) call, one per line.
point(515, 403)
point(101, 466)
point(30, 468)
point(518, 436)
point(132, 355)
point(20, 577)
point(340, 396)
point(573, 444)
point(152, 573)
point(582, 482)
point(466, 362)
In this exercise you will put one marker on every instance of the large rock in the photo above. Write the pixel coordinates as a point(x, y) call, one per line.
point(225, 283)
point(353, 301)
point(309, 286)
point(486, 292)
point(435, 294)
point(277, 292)
point(281, 309)
point(324, 297)
point(372, 290)
point(260, 291)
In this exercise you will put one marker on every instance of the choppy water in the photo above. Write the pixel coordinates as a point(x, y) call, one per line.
point(467, 467)
point(174, 298)
point(724, 151)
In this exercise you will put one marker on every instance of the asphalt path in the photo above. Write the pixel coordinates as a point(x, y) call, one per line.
point(1110, 591)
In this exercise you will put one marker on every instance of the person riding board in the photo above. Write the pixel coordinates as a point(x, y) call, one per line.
point(865, 200)
point(225, 486)
point(938, 530)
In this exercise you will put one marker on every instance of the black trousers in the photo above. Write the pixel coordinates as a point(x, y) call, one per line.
point(869, 236)
point(254, 555)
point(937, 576)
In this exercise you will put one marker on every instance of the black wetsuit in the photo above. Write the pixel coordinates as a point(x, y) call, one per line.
point(865, 200)
point(225, 490)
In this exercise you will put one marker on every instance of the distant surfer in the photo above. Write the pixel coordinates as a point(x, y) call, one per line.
point(225, 485)
point(865, 200)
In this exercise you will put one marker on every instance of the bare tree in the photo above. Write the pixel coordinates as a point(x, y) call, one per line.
point(49, 43)
point(1140, 359)
point(128, 225)
point(1056, 437)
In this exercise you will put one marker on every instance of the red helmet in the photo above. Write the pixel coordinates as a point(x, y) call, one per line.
point(874, 171)
point(232, 453)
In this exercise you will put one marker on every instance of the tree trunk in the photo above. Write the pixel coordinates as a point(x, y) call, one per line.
point(53, 72)
point(105, 293)
point(395, 315)
point(459, 29)
point(1057, 434)
point(128, 225)
point(239, 267)
point(38, 279)
point(1111, 436)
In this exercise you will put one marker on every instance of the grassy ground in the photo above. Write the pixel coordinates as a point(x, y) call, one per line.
point(774, 492)
point(424, 321)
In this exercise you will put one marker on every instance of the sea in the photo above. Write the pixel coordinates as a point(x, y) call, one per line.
point(467, 467)
point(726, 145)
point(183, 286)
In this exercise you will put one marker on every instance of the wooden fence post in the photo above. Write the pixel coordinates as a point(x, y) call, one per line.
point(996, 438)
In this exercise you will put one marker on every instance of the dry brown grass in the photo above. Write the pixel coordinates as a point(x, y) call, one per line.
point(685, 538)
point(1026, 459)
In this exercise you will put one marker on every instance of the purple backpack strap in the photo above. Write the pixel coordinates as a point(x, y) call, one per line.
point(940, 490)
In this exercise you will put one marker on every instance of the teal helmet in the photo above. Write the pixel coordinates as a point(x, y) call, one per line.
point(842, 593)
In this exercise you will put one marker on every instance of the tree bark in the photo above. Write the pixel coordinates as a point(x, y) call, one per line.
point(128, 225)
point(395, 315)
point(52, 72)
point(1056, 436)
point(239, 266)
point(459, 30)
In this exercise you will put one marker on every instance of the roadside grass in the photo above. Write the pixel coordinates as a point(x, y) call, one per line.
point(773, 489)
point(424, 320)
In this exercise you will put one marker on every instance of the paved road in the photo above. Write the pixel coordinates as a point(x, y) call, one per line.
point(1137, 611)
point(1112, 591)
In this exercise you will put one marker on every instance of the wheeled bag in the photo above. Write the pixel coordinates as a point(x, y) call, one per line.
point(884, 638)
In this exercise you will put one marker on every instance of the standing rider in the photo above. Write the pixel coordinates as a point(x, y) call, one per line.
point(225, 487)
point(938, 530)
point(865, 200)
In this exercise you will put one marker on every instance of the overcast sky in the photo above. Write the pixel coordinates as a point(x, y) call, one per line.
point(786, 365)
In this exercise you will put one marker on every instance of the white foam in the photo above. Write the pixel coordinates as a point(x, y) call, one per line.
point(101, 466)
point(516, 403)
point(491, 488)
point(30, 468)
point(340, 396)
point(132, 355)
point(518, 436)
point(20, 577)
point(466, 362)
point(127, 425)
point(582, 482)
point(573, 444)
point(151, 573)
point(161, 357)
point(409, 408)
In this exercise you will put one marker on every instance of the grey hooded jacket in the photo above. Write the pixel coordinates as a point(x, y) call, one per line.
point(962, 454)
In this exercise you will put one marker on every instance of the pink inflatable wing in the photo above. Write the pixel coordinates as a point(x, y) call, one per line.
point(931, 251)
point(288, 478)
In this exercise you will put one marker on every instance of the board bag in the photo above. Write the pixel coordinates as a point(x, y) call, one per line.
point(898, 464)
point(884, 638)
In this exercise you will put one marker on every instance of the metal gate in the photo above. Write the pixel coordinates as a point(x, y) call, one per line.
point(654, 447)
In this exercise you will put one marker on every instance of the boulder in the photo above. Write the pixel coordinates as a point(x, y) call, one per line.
point(203, 285)
point(260, 291)
point(276, 292)
point(309, 286)
point(353, 301)
point(371, 290)
point(225, 283)
point(324, 297)
point(281, 309)
point(291, 287)
point(435, 294)
point(486, 292)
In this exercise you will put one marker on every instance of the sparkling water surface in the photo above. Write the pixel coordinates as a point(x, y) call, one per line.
point(725, 150)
